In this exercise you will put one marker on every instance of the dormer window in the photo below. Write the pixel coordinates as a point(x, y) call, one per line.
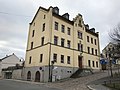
point(80, 24)
point(56, 10)
point(66, 15)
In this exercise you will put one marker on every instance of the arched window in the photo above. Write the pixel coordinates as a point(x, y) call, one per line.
point(37, 76)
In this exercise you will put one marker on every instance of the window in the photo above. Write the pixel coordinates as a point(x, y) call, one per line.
point(56, 25)
point(33, 24)
point(62, 42)
point(55, 57)
point(89, 50)
point(89, 63)
point(92, 40)
point(106, 54)
point(87, 38)
point(43, 28)
point(63, 28)
point(93, 63)
point(95, 42)
point(68, 59)
point(68, 43)
point(31, 45)
point(68, 31)
point(42, 41)
point(30, 60)
point(44, 16)
point(76, 24)
point(92, 51)
point(33, 33)
point(96, 63)
point(62, 58)
point(109, 55)
point(79, 35)
point(113, 48)
point(96, 52)
point(55, 40)
point(80, 47)
point(41, 57)
point(80, 24)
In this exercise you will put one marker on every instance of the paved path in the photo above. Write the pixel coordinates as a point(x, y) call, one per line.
point(78, 83)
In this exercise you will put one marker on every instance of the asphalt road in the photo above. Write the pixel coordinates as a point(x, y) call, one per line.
point(16, 85)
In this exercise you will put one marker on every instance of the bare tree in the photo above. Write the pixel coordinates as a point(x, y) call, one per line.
point(115, 34)
point(115, 39)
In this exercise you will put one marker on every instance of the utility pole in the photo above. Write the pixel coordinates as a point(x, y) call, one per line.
point(110, 63)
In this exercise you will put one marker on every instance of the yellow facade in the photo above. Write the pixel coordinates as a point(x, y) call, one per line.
point(47, 17)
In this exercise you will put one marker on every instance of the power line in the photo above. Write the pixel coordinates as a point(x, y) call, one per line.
point(14, 14)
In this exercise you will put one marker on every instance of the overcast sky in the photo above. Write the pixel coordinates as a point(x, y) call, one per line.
point(15, 16)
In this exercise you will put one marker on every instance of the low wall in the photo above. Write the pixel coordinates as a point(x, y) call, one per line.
point(16, 74)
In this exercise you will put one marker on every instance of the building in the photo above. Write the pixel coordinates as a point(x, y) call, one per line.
point(6, 62)
point(109, 55)
point(57, 47)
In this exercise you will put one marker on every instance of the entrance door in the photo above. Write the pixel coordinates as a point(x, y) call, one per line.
point(37, 76)
point(29, 76)
point(80, 62)
point(8, 75)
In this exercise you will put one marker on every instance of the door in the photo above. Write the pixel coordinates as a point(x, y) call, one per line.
point(28, 76)
point(80, 62)
point(37, 76)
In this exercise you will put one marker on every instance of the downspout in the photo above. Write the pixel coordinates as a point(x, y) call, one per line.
point(50, 34)
point(98, 49)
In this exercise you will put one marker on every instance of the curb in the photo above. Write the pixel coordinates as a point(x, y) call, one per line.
point(90, 88)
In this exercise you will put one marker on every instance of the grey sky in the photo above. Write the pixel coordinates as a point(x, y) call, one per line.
point(15, 16)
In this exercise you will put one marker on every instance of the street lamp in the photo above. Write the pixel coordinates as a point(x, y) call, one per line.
point(110, 63)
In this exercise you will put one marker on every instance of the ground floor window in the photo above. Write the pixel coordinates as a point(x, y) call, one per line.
point(93, 64)
point(89, 63)
point(96, 63)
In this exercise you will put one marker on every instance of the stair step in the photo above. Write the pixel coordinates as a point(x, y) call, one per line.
point(81, 72)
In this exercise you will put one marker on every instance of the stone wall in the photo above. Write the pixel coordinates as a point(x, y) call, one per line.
point(16, 74)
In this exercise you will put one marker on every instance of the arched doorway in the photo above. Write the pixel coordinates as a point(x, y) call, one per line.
point(28, 76)
point(37, 76)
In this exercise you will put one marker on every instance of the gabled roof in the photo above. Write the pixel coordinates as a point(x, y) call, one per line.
point(38, 11)
point(110, 43)
point(7, 56)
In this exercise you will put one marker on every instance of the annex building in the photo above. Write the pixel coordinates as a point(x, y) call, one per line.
point(57, 47)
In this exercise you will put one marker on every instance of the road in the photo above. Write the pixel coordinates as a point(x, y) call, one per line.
point(17, 85)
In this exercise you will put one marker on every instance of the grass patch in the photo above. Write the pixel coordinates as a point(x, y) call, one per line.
point(114, 85)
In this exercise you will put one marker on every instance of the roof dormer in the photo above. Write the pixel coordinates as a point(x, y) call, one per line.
point(66, 15)
point(56, 10)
